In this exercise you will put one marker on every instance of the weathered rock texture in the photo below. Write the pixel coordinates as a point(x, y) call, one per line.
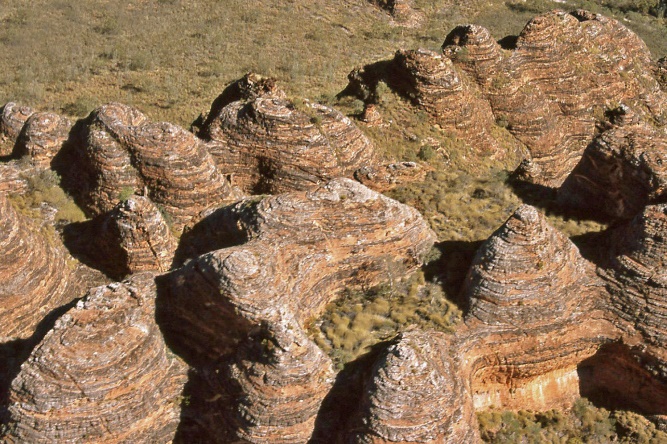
point(12, 119)
point(11, 178)
point(550, 89)
point(534, 315)
point(348, 236)
point(417, 393)
point(42, 136)
point(33, 272)
point(103, 374)
point(278, 381)
point(119, 152)
point(444, 91)
point(506, 283)
point(270, 145)
point(621, 171)
point(131, 238)
point(636, 274)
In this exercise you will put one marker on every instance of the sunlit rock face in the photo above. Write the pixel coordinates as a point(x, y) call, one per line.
point(35, 276)
point(102, 374)
point(417, 392)
point(551, 87)
point(119, 151)
point(535, 311)
point(269, 144)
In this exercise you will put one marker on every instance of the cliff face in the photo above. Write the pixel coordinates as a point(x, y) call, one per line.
point(550, 88)
point(270, 145)
point(103, 374)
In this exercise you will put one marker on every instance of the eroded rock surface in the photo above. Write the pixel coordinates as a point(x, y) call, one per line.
point(103, 374)
point(42, 137)
point(131, 238)
point(636, 274)
point(621, 171)
point(12, 119)
point(348, 236)
point(417, 393)
point(270, 145)
point(34, 272)
point(552, 86)
point(121, 152)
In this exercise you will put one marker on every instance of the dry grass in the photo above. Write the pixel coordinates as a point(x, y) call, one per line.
point(170, 58)
point(360, 319)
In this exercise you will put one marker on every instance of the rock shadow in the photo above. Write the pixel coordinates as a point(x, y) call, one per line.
point(14, 353)
point(86, 242)
point(216, 231)
point(625, 378)
point(337, 411)
point(450, 267)
point(547, 199)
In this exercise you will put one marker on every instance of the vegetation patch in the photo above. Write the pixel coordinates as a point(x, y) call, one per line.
point(44, 189)
point(359, 319)
point(584, 423)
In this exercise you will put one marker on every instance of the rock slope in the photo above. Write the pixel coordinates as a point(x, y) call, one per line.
point(269, 144)
point(103, 374)
point(35, 275)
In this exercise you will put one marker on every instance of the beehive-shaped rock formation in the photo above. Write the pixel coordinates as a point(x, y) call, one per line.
point(636, 273)
point(417, 393)
point(122, 152)
point(506, 283)
point(42, 137)
point(621, 171)
point(33, 271)
point(535, 312)
point(271, 145)
point(103, 374)
point(279, 380)
point(563, 72)
point(131, 238)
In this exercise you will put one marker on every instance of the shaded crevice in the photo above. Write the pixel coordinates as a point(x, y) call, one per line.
point(620, 377)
